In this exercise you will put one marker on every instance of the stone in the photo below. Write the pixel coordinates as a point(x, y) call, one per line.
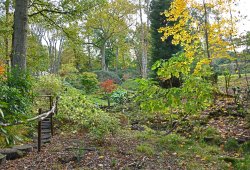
point(24, 148)
point(11, 153)
point(2, 159)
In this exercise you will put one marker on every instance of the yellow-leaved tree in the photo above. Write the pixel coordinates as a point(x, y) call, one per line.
point(205, 29)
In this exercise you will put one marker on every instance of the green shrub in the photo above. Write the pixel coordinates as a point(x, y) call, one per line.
point(75, 108)
point(107, 75)
point(86, 81)
point(48, 85)
point(130, 85)
point(231, 145)
point(89, 81)
point(15, 102)
point(119, 96)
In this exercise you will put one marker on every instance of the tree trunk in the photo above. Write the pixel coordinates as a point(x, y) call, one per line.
point(19, 45)
point(144, 57)
point(116, 60)
point(104, 66)
point(6, 38)
point(206, 29)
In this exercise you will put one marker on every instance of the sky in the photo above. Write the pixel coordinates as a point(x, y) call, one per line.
point(244, 7)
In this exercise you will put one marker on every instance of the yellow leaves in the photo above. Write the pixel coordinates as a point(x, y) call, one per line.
point(200, 64)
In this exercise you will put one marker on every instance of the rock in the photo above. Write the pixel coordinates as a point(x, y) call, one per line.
point(24, 148)
point(137, 127)
point(2, 159)
point(66, 159)
point(11, 153)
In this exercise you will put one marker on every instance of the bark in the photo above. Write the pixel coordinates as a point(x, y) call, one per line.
point(19, 47)
point(206, 29)
point(89, 55)
point(104, 66)
point(144, 56)
point(6, 39)
point(116, 60)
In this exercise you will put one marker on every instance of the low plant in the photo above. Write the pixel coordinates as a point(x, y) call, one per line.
point(231, 145)
point(77, 110)
point(119, 96)
point(146, 149)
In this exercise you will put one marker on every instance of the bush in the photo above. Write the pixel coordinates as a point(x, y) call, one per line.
point(119, 96)
point(107, 75)
point(86, 81)
point(89, 81)
point(15, 102)
point(75, 108)
point(48, 85)
point(130, 84)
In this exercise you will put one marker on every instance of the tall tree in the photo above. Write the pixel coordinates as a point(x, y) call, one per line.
point(19, 44)
point(160, 49)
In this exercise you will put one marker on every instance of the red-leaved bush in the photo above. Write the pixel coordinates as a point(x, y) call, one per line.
point(108, 86)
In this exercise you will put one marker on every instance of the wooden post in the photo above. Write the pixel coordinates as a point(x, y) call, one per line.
point(57, 99)
point(39, 132)
point(51, 115)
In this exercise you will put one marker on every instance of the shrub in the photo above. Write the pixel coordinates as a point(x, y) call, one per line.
point(15, 102)
point(130, 84)
point(119, 96)
point(89, 81)
point(75, 108)
point(48, 85)
point(86, 81)
point(107, 75)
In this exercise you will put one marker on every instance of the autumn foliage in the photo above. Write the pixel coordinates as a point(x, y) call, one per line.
point(108, 86)
point(2, 69)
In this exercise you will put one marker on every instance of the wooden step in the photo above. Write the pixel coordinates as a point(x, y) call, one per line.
point(46, 131)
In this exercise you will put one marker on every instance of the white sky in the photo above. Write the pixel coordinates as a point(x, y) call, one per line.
point(244, 7)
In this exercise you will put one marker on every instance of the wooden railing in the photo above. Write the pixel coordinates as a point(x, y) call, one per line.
point(45, 128)
point(42, 119)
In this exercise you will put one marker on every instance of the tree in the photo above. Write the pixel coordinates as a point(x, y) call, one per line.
point(202, 29)
point(160, 49)
point(107, 22)
point(19, 44)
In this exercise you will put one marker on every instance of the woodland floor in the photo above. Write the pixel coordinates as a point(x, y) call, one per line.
point(77, 151)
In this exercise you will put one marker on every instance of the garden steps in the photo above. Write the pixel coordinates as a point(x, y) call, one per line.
point(21, 150)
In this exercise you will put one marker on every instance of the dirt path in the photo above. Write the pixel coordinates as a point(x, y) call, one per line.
point(75, 152)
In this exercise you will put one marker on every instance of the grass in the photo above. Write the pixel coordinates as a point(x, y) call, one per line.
point(235, 81)
point(189, 152)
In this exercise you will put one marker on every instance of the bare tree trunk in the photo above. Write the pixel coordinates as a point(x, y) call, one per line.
point(89, 55)
point(104, 66)
point(6, 38)
point(116, 60)
point(144, 56)
point(206, 29)
point(19, 45)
